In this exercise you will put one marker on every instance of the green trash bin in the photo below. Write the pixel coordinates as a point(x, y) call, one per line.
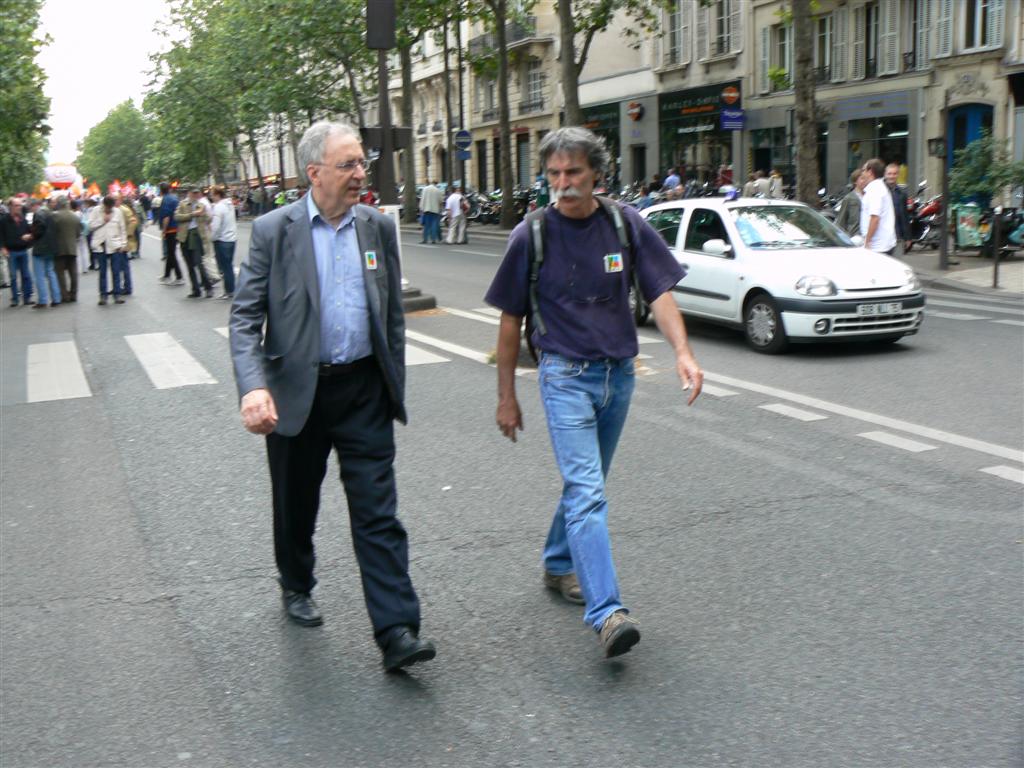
point(967, 220)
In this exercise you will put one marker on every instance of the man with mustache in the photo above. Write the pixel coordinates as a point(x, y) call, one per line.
point(582, 326)
point(324, 281)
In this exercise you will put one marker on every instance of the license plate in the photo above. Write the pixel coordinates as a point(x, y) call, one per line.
point(890, 308)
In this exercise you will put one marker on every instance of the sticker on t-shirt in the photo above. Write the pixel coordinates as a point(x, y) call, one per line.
point(613, 262)
point(371, 259)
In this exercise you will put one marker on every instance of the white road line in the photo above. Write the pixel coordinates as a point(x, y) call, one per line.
point(1010, 322)
point(872, 418)
point(642, 356)
point(492, 311)
point(897, 442)
point(417, 356)
point(166, 362)
point(711, 389)
point(954, 315)
point(793, 413)
point(447, 346)
point(1007, 473)
point(934, 295)
point(475, 253)
point(54, 372)
point(975, 307)
point(154, 237)
point(471, 315)
point(643, 339)
point(223, 331)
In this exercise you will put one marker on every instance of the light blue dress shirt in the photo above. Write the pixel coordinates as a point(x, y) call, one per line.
point(344, 315)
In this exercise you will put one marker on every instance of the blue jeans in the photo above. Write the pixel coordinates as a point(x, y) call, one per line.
point(125, 272)
point(117, 262)
point(46, 280)
point(225, 253)
point(18, 262)
point(586, 402)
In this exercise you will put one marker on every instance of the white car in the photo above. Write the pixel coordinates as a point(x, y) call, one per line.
point(783, 273)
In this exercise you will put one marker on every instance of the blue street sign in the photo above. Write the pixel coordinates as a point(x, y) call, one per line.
point(463, 139)
point(463, 154)
point(731, 119)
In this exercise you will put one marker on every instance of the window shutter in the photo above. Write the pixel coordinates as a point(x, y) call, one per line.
point(839, 22)
point(735, 26)
point(944, 29)
point(857, 72)
point(996, 11)
point(762, 72)
point(685, 25)
point(702, 33)
point(924, 33)
point(889, 48)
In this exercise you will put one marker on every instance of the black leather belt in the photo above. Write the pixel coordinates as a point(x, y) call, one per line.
point(341, 369)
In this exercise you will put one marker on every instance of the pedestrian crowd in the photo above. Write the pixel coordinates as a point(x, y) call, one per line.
point(47, 244)
point(876, 208)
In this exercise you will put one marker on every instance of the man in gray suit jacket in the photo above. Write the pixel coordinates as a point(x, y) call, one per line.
point(329, 371)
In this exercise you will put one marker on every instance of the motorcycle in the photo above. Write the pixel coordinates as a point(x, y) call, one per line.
point(925, 219)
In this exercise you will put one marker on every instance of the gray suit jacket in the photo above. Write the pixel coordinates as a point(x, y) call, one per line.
point(278, 285)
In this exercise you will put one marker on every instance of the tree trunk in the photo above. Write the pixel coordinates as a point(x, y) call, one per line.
point(409, 154)
point(508, 212)
point(280, 154)
point(449, 139)
point(567, 64)
point(256, 162)
point(293, 140)
point(354, 88)
point(806, 119)
point(241, 160)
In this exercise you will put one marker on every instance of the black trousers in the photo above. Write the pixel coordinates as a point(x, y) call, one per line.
point(351, 414)
point(171, 256)
point(193, 248)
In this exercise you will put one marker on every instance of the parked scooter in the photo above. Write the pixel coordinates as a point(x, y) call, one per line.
point(925, 219)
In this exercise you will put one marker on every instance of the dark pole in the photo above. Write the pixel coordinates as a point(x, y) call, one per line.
point(386, 163)
point(462, 117)
point(946, 207)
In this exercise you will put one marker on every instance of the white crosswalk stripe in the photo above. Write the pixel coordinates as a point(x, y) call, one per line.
point(166, 362)
point(54, 372)
point(1007, 473)
point(417, 356)
point(793, 413)
point(897, 442)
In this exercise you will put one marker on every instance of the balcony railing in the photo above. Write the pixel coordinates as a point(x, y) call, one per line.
point(491, 113)
point(531, 106)
point(822, 74)
point(871, 68)
point(515, 32)
point(438, 126)
point(421, 129)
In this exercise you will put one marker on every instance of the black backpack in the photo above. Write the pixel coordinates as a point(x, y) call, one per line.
point(535, 224)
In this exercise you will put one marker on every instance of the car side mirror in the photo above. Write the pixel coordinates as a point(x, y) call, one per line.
point(717, 247)
point(857, 240)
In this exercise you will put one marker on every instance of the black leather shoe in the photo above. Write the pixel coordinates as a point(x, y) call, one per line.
point(301, 609)
point(404, 649)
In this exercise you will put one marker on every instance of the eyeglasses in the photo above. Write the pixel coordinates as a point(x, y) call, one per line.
point(350, 166)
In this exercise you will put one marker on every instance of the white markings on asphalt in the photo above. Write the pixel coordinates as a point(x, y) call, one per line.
point(975, 307)
point(54, 372)
point(644, 339)
point(793, 413)
point(872, 418)
point(711, 389)
point(223, 331)
point(954, 315)
point(1010, 322)
point(1007, 473)
point(471, 315)
point(897, 442)
point(934, 293)
point(417, 356)
point(476, 253)
point(492, 311)
point(447, 346)
point(166, 362)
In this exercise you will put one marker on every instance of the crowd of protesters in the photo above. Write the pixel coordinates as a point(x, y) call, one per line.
point(47, 244)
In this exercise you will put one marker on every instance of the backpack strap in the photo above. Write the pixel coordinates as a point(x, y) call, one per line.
point(535, 223)
point(614, 212)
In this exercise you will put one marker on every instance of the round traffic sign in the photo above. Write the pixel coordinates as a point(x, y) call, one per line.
point(463, 139)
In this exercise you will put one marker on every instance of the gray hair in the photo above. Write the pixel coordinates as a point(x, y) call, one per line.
point(313, 143)
point(572, 140)
point(62, 202)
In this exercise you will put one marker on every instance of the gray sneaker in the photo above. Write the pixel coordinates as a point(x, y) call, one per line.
point(619, 633)
point(568, 586)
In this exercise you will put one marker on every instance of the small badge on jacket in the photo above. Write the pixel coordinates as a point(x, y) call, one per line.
point(371, 259)
point(613, 262)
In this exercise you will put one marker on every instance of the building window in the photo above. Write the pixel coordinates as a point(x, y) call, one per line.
point(782, 58)
point(976, 23)
point(677, 44)
point(871, 39)
point(884, 138)
point(719, 28)
point(535, 79)
point(823, 49)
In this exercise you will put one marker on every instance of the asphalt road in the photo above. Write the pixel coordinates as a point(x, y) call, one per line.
point(808, 595)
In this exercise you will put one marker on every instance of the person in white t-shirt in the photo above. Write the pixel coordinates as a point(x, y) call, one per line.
point(455, 207)
point(224, 235)
point(877, 215)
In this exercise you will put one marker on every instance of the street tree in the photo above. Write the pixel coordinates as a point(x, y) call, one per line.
point(984, 169)
point(23, 128)
point(585, 19)
point(115, 148)
point(805, 108)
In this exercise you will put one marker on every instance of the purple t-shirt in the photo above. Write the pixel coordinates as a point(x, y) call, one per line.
point(583, 284)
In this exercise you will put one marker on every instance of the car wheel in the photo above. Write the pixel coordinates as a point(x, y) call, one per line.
point(762, 324)
point(638, 307)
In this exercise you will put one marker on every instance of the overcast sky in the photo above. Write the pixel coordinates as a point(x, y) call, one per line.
point(98, 58)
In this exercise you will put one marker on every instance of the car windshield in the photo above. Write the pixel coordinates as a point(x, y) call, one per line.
point(787, 226)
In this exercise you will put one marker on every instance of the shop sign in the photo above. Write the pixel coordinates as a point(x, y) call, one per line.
point(602, 119)
point(698, 102)
point(635, 110)
point(698, 128)
point(731, 119)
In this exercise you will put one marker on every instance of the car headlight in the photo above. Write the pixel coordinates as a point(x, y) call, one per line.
point(910, 280)
point(815, 285)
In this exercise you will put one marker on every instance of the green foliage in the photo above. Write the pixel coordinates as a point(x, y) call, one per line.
point(114, 148)
point(984, 168)
point(24, 108)
point(779, 77)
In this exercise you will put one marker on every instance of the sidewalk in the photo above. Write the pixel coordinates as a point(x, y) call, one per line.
point(972, 275)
